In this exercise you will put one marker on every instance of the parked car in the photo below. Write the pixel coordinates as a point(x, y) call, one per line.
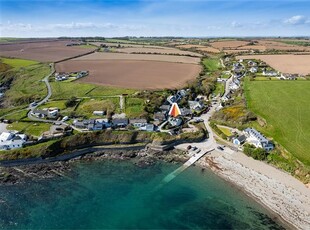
point(33, 104)
point(198, 151)
point(189, 147)
point(220, 148)
point(194, 148)
point(65, 118)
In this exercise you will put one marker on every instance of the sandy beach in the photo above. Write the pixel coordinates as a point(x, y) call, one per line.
point(277, 190)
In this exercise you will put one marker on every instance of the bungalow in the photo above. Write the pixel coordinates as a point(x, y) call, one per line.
point(239, 140)
point(138, 123)
point(257, 139)
point(11, 140)
point(119, 122)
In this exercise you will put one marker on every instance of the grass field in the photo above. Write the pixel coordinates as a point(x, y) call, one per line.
point(27, 85)
point(18, 63)
point(65, 90)
point(285, 107)
point(29, 128)
point(134, 107)
point(211, 64)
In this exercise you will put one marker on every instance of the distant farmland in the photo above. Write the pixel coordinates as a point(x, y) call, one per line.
point(140, 57)
point(43, 51)
point(136, 74)
point(285, 107)
point(287, 63)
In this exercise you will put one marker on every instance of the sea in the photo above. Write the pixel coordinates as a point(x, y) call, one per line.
point(114, 194)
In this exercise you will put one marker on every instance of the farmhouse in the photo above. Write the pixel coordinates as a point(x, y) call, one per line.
point(61, 76)
point(11, 140)
point(257, 139)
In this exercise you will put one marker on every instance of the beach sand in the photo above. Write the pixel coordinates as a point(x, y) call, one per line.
point(275, 189)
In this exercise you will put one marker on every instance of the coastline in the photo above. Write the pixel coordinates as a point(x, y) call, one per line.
point(283, 195)
point(277, 191)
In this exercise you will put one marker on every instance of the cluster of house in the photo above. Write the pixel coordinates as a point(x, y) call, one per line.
point(117, 123)
point(252, 136)
point(73, 75)
point(12, 140)
point(170, 111)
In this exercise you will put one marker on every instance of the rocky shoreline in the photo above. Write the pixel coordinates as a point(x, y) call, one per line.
point(141, 158)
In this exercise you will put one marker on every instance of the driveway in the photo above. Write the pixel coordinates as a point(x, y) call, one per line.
point(3, 127)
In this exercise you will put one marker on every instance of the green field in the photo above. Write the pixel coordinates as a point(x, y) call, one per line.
point(18, 63)
point(285, 107)
point(211, 64)
point(29, 128)
point(27, 85)
point(134, 107)
point(65, 90)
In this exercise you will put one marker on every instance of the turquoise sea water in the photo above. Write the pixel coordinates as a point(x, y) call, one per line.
point(120, 195)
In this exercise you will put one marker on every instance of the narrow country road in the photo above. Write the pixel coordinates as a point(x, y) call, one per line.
point(49, 94)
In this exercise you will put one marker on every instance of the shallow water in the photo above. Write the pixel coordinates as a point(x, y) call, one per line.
point(120, 195)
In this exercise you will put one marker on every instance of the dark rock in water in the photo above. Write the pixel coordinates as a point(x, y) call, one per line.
point(145, 162)
point(130, 154)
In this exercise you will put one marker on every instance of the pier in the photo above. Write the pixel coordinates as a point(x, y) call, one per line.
point(179, 170)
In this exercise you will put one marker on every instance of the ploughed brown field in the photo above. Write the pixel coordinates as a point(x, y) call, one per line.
point(285, 63)
point(141, 57)
point(136, 74)
point(261, 45)
point(160, 50)
point(43, 51)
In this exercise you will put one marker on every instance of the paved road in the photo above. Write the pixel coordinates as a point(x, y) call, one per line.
point(49, 94)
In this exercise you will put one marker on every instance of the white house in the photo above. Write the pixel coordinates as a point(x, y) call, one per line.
point(270, 73)
point(239, 140)
point(257, 139)
point(253, 69)
point(11, 140)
